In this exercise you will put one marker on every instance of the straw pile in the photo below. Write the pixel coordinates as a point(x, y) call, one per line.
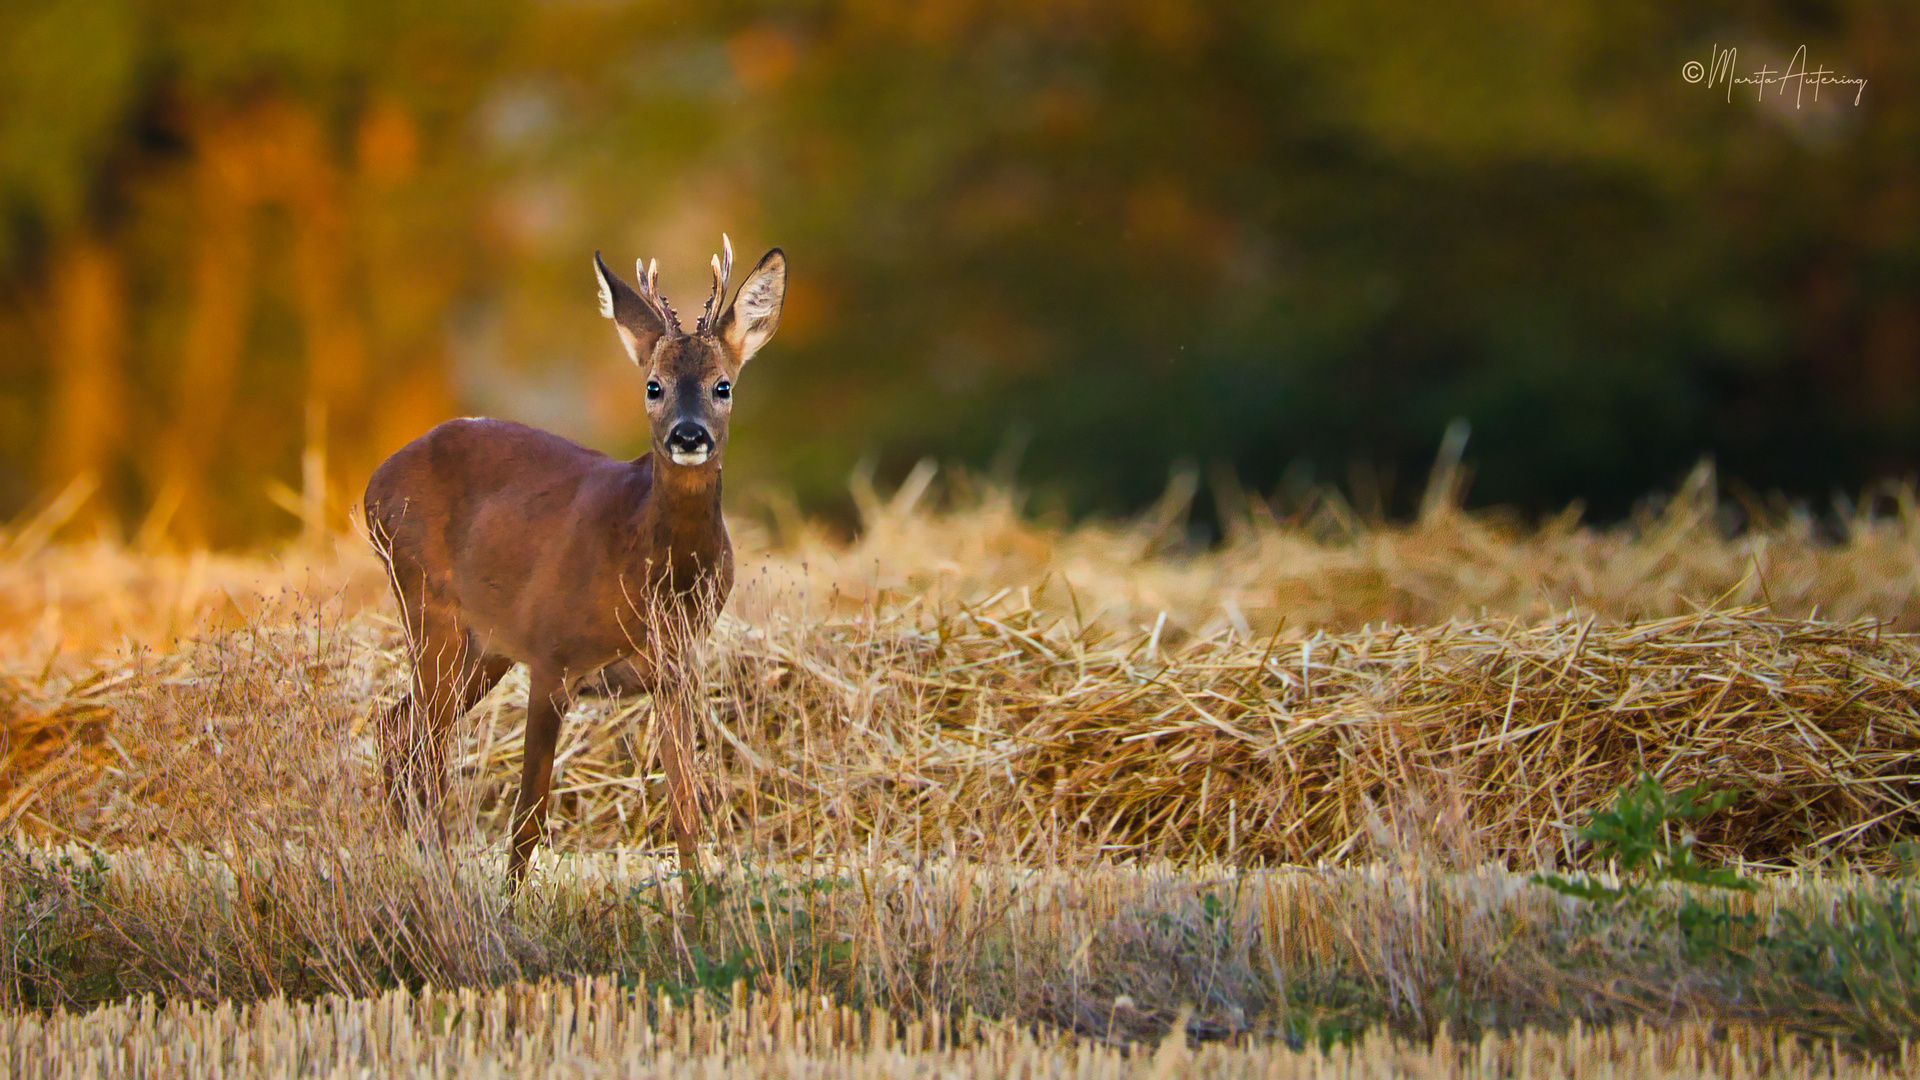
point(1316, 689)
point(41, 733)
point(592, 1028)
point(1479, 739)
point(1490, 738)
point(997, 730)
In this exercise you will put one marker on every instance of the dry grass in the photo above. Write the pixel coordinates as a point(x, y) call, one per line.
point(593, 1028)
point(1320, 568)
point(1323, 567)
point(1118, 953)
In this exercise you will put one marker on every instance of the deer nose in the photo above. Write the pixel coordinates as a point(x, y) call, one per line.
point(688, 437)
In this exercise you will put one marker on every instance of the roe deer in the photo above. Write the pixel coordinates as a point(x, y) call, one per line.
point(506, 543)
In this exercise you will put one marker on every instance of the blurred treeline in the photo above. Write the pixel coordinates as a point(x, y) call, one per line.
point(248, 249)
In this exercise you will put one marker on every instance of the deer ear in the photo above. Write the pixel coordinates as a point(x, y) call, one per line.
point(755, 313)
point(639, 329)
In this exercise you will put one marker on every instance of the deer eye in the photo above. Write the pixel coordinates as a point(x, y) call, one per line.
point(653, 390)
point(723, 389)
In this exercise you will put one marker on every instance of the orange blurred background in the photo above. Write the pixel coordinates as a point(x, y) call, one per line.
point(245, 253)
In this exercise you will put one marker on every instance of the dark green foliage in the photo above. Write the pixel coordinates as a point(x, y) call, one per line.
point(1636, 836)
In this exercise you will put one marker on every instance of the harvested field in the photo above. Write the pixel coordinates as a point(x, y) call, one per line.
point(593, 1028)
point(1113, 953)
point(967, 762)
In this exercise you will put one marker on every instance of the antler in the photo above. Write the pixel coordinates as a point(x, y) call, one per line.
point(722, 269)
point(648, 287)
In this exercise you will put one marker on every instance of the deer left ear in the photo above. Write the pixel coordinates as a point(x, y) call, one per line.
point(637, 324)
point(755, 313)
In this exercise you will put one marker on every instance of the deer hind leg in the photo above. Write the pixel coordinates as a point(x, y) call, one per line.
point(546, 704)
point(480, 674)
point(449, 674)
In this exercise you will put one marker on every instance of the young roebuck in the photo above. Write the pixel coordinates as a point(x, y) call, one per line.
point(506, 543)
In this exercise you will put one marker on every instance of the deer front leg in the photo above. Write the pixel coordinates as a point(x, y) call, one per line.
point(546, 702)
point(674, 704)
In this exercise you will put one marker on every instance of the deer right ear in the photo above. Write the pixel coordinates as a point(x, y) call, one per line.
point(636, 323)
point(755, 313)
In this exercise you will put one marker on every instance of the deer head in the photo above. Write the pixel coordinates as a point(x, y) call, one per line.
point(690, 377)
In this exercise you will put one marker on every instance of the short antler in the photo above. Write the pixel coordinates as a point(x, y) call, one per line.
point(648, 274)
point(722, 269)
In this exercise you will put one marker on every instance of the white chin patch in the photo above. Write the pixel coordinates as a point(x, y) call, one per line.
point(682, 457)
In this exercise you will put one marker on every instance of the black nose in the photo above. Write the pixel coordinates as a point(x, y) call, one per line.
point(690, 437)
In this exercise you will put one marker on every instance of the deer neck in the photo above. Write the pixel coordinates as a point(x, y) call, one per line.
point(680, 531)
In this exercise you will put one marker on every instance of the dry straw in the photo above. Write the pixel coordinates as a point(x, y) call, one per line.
point(968, 681)
point(1321, 566)
point(995, 730)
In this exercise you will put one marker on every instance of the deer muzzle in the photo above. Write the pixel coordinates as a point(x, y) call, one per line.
point(689, 443)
